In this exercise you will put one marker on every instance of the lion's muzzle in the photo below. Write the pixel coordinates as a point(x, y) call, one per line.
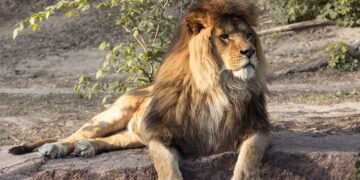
point(248, 52)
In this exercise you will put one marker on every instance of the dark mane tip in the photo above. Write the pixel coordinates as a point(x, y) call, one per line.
point(244, 9)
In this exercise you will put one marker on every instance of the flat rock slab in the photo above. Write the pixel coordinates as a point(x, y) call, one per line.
point(291, 157)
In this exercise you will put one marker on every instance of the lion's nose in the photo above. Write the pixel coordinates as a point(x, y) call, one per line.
point(248, 52)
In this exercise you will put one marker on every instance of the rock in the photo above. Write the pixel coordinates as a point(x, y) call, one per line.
point(355, 48)
point(291, 157)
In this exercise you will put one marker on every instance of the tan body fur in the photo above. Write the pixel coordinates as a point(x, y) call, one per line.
point(208, 97)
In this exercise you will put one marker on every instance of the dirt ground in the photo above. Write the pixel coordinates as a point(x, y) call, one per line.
point(39, 70)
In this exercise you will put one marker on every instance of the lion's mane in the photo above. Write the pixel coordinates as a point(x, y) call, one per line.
point(196, 106)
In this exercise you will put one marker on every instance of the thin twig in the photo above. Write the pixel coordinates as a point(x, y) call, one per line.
point(141, 36)
point(151, 70)
point(156, 34)
point(146, 74)
point(166, 3)
point(137, 39)
point(143, 41)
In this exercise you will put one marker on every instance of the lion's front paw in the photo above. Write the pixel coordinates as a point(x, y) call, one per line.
point(84, 148)
point(246, 175)
point(54, 150)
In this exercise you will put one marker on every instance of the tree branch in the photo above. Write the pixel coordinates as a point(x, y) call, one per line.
point(308, 67)
point(296, 26)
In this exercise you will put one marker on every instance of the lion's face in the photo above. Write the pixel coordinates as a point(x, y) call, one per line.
point(235, 42)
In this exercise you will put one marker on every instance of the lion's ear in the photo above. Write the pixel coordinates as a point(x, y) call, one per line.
point(198, 20)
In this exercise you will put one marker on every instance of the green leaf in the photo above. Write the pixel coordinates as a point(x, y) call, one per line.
point(136, 33)
point(95, 87)
point(15, 33)
point(75, 4)
point(22, 26)
point(86, 7)
point(100, 74)
point(144, 57)
point(68, 14)
point(106, 64)
point(47, 14)
point(35, 27)
point(109, 56)
point(32, 20)
point(89, 95)
point(84, 79)
point(77, 89)
point(113, 3)
point(103, 46)
point(81, 79)
point(101, 6)
point(344, 48)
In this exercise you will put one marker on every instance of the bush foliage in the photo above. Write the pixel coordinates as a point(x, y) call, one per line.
point(149, 26)
point(341, 59)
point(345, 12)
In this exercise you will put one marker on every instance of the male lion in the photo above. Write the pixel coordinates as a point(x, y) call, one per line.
point(208, 97)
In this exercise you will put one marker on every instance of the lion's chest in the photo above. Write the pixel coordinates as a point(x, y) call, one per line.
point(194, 123)
point(207, 139)
point(209, 128)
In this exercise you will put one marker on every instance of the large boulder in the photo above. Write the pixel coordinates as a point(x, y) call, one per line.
point(291, 157)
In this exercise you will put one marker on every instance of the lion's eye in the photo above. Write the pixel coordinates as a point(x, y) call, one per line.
point(248, 35)
point(224, 37)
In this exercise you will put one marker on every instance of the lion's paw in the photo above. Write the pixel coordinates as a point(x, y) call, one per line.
point(53, 150)
point(244, 174)
point(84, 148)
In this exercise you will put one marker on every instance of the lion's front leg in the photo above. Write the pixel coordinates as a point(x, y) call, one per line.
point(165, 161)
point(251, 153)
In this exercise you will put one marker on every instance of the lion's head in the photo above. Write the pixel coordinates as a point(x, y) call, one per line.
point(235, 43)
point(231, 35)
point(217, 38)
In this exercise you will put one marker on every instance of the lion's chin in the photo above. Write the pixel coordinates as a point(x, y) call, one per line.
point(245, 73)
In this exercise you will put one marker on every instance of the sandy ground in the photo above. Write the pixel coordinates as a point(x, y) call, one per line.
point(39, 70)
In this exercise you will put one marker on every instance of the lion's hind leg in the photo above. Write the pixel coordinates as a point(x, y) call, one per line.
point(110, 121)
point(113, 120)
point(124, 139)
point(105, 123)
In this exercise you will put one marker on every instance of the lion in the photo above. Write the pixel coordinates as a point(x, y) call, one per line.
point(208, 97)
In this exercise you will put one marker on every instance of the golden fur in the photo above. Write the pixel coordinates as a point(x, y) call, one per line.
point(208, 97)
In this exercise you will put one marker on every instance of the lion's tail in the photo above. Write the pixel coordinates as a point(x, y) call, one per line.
point(29, 147)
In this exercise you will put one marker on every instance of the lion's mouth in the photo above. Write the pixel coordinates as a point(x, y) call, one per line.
point(249, 64)
point(247, 71)
point(244, 71)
